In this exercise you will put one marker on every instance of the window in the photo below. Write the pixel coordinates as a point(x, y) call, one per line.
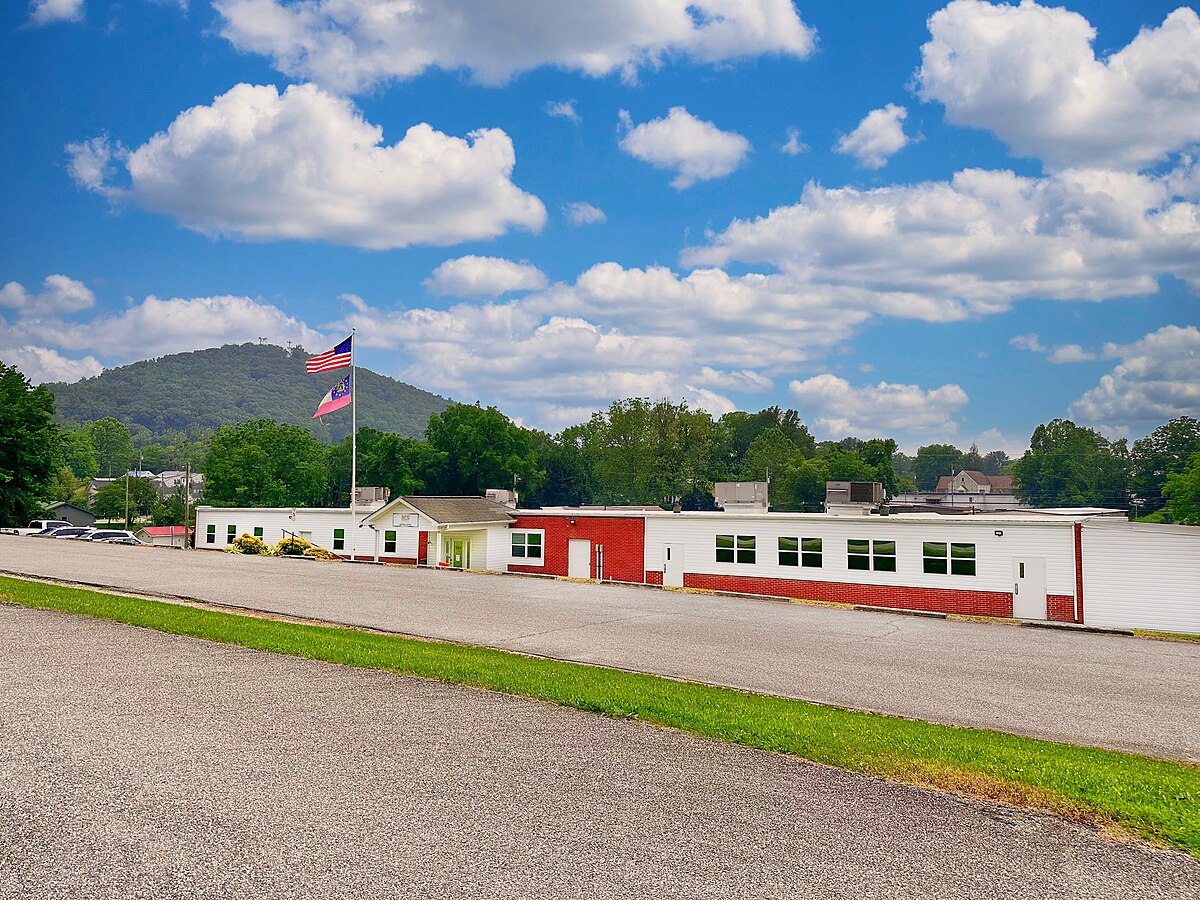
point(811, 557)
point(339, 539)
point(962, 559)
point(867, 555)
point(210, 535)
point(885, 555)
point(725, 548)
point(789, 551)
point(230, 534)
point(959, 561)
point(258, 532)
point(527, 545)
point(858, 555)
point(389, 542)
point(745, 549)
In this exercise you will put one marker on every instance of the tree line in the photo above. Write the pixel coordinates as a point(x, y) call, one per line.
point(638, 451)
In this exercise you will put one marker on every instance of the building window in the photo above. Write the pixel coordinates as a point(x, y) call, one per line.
point(389, 542)
point(935, 559)
point(258, 532)
point(725, 548)
point(746, 552)
point(339, 539)
point(230, 534)
point(527, 545)
point(811, 557)
point(210, 534)
point(858, 555)
point(789, 551)
point(885, 555)
point(962, 559)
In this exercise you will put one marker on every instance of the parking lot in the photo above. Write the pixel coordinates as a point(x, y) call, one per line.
point(1099, 690)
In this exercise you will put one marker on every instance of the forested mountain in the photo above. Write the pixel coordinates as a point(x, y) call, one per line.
point(204, 389)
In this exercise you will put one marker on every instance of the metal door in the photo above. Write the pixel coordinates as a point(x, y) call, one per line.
point(460, 554)
point(1029, 588)
point(673, 565)
point(579, 559)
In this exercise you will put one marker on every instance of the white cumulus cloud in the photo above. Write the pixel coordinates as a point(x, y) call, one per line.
point(794, 146)
point(878, 136)
point(42, 364)
point(305, 165)
point(1157, 379)
point(839, 409)
point(563, 109)
point(484, 276)
point(59, 294)
point(350, 45)
point(1030, 75)
point(44, 12)
point(581, 213)
point(695, 149)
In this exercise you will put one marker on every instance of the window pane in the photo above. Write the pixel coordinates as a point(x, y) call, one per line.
point(962, 551)
point(812, 545)
point(518, 550)
point(789, 543)
point(745, 541)
point(858, 562)
point(962, 566)
point(885, 564)
point(935, 566)
point(746, 556)
point(812, 560)
point(885, 548)
point(533, 551)
point(934, 549)
point(858, 546)
point(389, 535)
point(789, 558)
point(724, 555)
point(518, 538)
point(337, 532)
point(725, 540)
point(533, 540)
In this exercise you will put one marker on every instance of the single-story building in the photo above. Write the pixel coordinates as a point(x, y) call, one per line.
point(165, 535)
point(69, 512)
point(1080, 566)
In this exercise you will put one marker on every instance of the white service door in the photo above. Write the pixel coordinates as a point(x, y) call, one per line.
point(1029, 588)
point(673, 565)
point(579, 559)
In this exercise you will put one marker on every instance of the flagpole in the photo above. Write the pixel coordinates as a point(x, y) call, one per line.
point(353, 446)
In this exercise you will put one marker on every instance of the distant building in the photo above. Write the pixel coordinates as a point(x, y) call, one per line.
point(165, 535)
point(968, 491)
point(69, 512)
point(165, 483)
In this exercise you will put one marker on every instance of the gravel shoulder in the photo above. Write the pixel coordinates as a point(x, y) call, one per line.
point(139, 764)
point(1098, 690)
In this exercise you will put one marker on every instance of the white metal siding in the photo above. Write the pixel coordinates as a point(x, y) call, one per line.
point(1141, 576)
point(994, 554)
point(321, 522)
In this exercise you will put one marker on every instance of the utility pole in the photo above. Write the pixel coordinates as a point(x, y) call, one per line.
point(187, 496)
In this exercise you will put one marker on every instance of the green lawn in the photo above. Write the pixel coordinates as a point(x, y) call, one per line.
point(1155, 799)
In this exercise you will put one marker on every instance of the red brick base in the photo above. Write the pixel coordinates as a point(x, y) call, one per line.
point(947, 600)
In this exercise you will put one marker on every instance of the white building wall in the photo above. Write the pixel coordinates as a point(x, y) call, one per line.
point(1051, 540)
point(1141, 576)
point(314, 525)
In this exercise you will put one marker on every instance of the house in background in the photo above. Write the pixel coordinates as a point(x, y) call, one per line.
point(69, 512)
point(165, 535)
point(968, 491)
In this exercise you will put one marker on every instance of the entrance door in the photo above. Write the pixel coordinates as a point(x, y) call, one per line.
point(579, 559)
point(673, 565)
point(458, 554)
point(1029, 588)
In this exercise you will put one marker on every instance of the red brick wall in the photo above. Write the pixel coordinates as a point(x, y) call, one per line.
point(947, 600)
point(623, 539)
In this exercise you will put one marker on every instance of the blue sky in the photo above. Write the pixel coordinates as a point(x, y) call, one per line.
point(925, 220)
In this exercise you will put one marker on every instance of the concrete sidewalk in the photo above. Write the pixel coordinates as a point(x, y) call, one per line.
point(1100, 690)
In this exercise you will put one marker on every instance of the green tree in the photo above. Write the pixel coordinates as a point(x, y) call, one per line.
point(769, 453)
point(65, 487)
point(481, 449)
point(1182, 490)
point(264, 463)
point(878, 453)
point(570, 480)
point(29, 448)
point(934, 461)
point(79, 453)
point(1068, 465)
point(1165, 451)
point(801, 487)
point(973, 460)
point(113, 445)
point(384, 460)
point(742, 428)
point(995, 462)
point(110, 500)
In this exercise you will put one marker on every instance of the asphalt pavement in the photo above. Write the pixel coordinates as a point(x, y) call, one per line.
point(135, 764)
point(1100, 690)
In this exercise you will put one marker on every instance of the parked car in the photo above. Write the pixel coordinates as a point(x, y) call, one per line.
point(71, 531)
point(113, 536)
point(132, 539)
point(38, 526)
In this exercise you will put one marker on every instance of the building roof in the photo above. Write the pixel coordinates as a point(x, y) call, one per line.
point(460, 510)
point(63, 504)
point(164, 530)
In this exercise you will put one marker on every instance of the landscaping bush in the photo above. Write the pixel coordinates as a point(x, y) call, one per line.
point(292, 546)
point(249, 545)
point(322, 553)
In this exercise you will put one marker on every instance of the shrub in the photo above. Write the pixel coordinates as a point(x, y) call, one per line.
point(322, 553)
point(292, 546)
point(250, 545)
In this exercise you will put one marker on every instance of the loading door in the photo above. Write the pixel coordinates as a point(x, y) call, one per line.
point(1029, 588)
point(673, 565)
point(579, 559)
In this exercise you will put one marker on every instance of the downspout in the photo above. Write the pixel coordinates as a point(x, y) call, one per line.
point(1079, 573)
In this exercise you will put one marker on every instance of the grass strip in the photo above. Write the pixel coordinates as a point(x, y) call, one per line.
point(1154, 799)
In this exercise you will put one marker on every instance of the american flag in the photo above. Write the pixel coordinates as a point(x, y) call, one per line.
point(337, 358)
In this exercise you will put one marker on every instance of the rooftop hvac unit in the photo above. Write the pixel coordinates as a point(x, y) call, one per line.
point(741, 496)
point(853, 497)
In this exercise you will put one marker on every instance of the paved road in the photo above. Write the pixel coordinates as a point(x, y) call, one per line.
point(1101, 690)
point(135, 764)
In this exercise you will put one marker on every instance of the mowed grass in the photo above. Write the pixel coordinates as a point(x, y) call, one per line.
point(1155, 799)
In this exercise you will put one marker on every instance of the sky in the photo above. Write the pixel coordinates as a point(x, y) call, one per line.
point(929, 221)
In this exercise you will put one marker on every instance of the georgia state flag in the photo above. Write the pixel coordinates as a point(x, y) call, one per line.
point(338, 396)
